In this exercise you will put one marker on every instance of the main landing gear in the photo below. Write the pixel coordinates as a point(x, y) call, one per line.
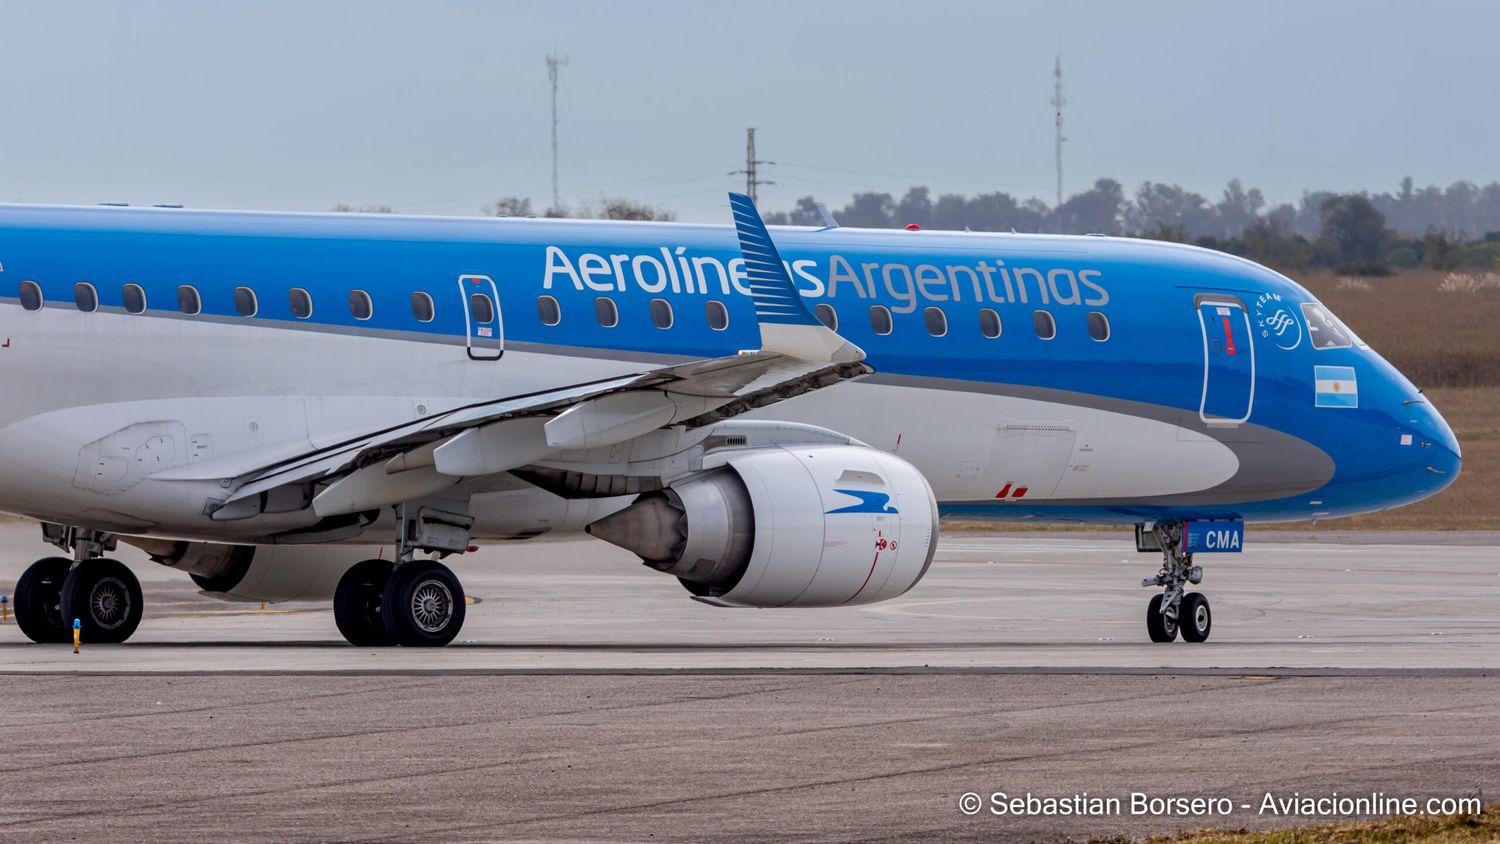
point(1174, 610)
point(102, 594)
point(417, 603)
point(412, 602)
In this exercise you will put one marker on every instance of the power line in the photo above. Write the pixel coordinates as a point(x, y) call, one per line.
point(553, 63)
point(1057, 102)
point(752, 164)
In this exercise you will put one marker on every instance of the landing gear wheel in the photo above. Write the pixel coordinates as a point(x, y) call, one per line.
point(423, 604)
point(1195, 617)
point(356, 604)
point(105, 597)
point(39, 601)
point(1161, 628)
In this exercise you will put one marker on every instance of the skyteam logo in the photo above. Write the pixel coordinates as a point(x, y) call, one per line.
point(1278, 321)
point(869, 502)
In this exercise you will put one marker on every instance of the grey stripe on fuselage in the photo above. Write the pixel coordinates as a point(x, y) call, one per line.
point(1272, 464)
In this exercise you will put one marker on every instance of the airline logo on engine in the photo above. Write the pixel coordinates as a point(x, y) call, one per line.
point(869, 502)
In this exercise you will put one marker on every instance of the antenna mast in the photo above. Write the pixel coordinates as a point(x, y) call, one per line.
point(1057, 102)
point(553, 63)
point(752, 165)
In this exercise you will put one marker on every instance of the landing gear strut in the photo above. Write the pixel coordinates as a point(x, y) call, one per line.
point(1175, 609)
point(101, 593)
point(412, 602)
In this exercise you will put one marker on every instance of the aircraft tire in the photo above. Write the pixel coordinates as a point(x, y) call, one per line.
point(423, 604)
point(1194, 617)
point(39, 601)
point(105, 597)
point(357, 602)
point(1161, 628)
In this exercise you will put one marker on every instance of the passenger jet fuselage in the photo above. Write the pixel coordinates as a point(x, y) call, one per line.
point(207, 380)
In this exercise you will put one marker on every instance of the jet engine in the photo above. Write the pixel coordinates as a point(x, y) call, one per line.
point(259, 572)
point(814, 526)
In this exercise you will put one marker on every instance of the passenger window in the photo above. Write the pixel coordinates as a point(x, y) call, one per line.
point(135, 299)
point(421, 307)
point(606, 312)
point(989, 323)
point(1098, 326)
point(360, 305)
point(661, 313)
point(937, 321)
point(188, 300)
point(1324, 329)
point(1045, 325)
point(31, 296)
point(245, 303)
point(827, 315)
point(481, 309)
point(85, 297)
point(718, 315)
point(880, 319)
point(548, 309)
point(301, 302)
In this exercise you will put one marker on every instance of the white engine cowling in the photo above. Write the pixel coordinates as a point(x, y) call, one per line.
point(259, 572)
point(813, 526)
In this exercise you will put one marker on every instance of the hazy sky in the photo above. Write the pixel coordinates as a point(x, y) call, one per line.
point(440, 107)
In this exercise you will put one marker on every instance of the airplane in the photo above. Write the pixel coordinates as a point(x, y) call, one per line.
point(776, 417)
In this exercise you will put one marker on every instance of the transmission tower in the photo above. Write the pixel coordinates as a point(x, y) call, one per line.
point(752, 165)
point(553, 63)
point(1057, 102)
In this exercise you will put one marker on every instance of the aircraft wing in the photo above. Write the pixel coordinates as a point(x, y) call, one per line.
point(798, 354)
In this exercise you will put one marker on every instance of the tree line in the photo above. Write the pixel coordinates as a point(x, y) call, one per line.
point(1354, 233)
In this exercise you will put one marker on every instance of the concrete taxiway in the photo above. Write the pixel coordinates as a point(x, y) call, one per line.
point(589, 699)
point(991, 601)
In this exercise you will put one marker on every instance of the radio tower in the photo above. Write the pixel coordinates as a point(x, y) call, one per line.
point(751, 171)
point(553, 63)
point(1057, 102)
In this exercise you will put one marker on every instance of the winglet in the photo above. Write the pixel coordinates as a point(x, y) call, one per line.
point(786, 325)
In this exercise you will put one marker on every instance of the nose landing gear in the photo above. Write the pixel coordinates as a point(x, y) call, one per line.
point(1175, 609)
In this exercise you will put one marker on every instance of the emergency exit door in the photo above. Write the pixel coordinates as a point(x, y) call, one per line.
point(1228, 360)
point(484, 327)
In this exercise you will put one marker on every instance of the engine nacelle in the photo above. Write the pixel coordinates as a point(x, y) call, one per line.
point(812, 526)
point(259, 572)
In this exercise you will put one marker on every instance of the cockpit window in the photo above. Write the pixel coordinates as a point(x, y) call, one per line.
point(1326, 330)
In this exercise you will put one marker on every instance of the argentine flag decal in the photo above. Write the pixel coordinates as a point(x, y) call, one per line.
point(1336, 386)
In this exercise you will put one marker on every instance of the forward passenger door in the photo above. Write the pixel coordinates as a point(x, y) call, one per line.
point(1228, 359)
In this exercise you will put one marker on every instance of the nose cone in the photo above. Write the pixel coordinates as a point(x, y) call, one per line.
point(1445, 455)
point(1433, 457)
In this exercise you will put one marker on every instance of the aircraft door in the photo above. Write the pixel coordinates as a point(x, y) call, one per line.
point(484, 327)
point(1228, 360)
